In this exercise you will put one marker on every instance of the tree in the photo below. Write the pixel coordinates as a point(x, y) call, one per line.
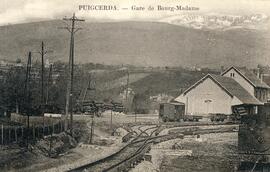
point(12, 88)
point(141, 102)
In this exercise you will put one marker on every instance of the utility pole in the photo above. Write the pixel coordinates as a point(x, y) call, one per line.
point(42, 78)
point(127, 90)
point(69, 95)
point(42, 84)
point(42, 102)
point(43, 52)
point(49, 81)
point(127, 84)
point(27, 94)
point(93, 88)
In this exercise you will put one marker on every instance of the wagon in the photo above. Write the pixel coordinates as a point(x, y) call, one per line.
point(172, 111)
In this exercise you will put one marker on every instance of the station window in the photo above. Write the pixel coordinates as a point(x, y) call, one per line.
point(232, 74)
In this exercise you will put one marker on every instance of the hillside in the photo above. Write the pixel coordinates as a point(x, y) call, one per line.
point(139, 43)
point(169, 82)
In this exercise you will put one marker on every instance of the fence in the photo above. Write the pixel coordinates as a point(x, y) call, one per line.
point(37, 129)
point(34, 120)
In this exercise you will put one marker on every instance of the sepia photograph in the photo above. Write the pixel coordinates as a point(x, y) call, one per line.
point(135, 86)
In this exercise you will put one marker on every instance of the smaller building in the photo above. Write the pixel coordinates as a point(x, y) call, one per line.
point(252, 82)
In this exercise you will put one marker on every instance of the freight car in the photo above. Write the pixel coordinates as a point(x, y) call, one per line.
point(175, 111)
point(171, 111)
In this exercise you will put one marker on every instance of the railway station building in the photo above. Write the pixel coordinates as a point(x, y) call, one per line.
point(235, 90)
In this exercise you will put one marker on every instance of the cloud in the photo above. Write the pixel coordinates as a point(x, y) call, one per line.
point(32, 9)
point(18, 11)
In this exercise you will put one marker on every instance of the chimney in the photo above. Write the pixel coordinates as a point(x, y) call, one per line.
point(258, 73)
point(221, 69)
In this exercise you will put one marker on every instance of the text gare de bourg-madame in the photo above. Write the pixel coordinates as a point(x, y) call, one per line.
point(137, 8)
point(165, 8)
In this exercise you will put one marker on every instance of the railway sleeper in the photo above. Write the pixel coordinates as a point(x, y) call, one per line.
point(119, 169)
point(148, 157)
point(137, 160)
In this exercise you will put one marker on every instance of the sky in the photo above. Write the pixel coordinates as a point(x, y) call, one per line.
point(20, 11)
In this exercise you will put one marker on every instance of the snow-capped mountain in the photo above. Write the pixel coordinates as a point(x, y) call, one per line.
point(218, 21)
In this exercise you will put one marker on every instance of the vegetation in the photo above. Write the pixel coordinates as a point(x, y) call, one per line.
point(108, 82)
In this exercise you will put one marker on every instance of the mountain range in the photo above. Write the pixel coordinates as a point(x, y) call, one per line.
point(139, 43)
point(213, 21)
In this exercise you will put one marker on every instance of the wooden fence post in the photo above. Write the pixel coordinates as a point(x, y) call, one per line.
point(48, 126)
point(51, 123)
point(22, 132)
point(9, 138)
point(2, 134)
point(16, 138)
point(38, 132)
point(43, 125)
point(34, 132)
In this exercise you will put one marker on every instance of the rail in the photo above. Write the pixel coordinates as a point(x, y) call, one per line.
point(144, 147)
point(137, 156)
point(100, 161)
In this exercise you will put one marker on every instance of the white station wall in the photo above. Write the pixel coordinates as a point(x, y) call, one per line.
point(208, 97)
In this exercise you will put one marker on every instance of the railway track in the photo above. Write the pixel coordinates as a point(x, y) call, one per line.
point(186, 124)
point(135, 150)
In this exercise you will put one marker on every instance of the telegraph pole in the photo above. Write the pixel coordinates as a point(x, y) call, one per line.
point(42, 102)
point(42, 77)
point(93, 88)
point(42, 84)
point(43, 52)
point(27, 94)
point(127, 103)
point(48, 84)
point(69, 95)
point(127, 84)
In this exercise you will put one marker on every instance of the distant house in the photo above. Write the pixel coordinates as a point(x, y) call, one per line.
point(126, 97)
point(248, 80)
point(161, 98)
